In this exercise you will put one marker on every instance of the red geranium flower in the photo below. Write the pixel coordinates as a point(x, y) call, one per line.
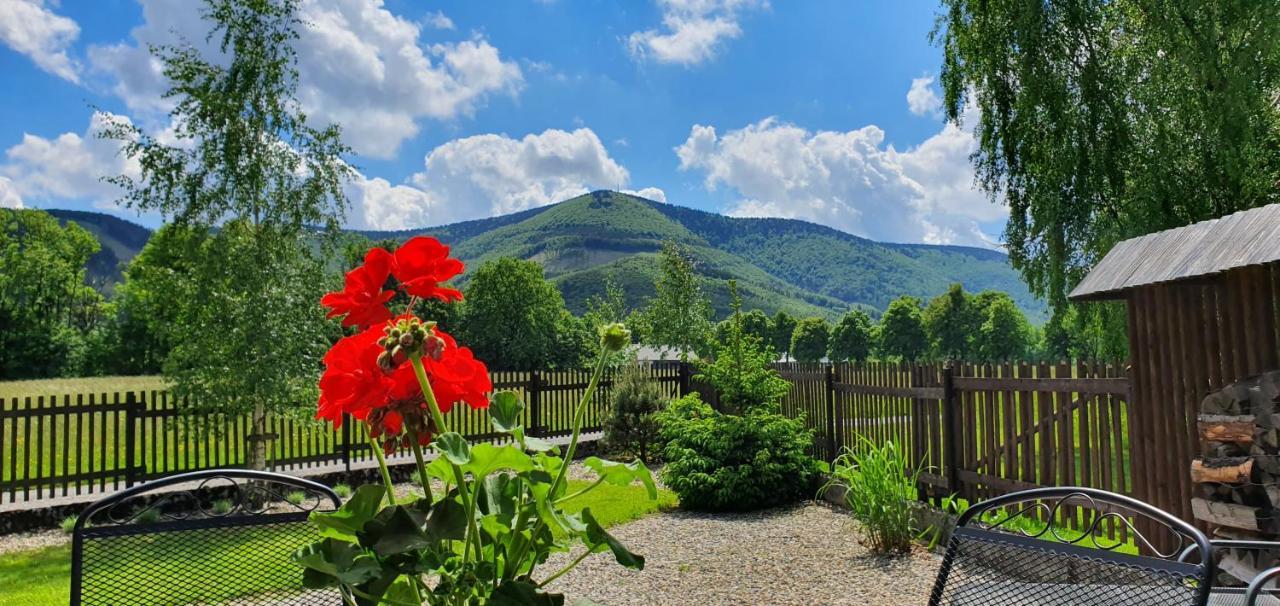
point(421, 264)
point(352, 382)
point(458, 376)
point(362, 299)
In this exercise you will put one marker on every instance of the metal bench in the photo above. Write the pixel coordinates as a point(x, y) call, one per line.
point(222, 536)
point(1256, 593)
point(993, 558)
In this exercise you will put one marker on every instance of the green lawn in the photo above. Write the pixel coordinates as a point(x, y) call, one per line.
point(42, 577)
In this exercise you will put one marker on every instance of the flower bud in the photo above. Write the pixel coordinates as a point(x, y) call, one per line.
point(386, 361)
point(614, 337)
point(407, 339)
point(434, 347)
point(398, 356)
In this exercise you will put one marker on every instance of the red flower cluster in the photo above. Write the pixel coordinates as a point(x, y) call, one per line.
point(368, 375)
point(420, 265)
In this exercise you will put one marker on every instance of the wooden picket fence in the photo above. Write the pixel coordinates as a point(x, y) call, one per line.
point(59, 445)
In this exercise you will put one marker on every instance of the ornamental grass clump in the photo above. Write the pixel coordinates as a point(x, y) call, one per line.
point(500, 514)
point(879, 485)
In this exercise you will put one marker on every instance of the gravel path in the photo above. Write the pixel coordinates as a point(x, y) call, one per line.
point(806, 555)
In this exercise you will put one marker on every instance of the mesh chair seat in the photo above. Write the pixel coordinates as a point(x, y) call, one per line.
point(166, 542)
point(989, 563)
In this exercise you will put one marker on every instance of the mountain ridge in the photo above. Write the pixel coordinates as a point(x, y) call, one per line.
point(802, 267)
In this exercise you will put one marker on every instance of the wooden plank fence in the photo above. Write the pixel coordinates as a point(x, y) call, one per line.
point(979, 430)
point(71, 444)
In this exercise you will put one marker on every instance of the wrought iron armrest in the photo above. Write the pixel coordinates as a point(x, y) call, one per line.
point(1256, 585)
point(1216, 544)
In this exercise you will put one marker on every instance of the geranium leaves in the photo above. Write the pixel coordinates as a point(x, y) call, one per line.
point(523, 593)
point(623, 474)
point(505, 409)
point(454, 447)
point(598, 540)
point(336, 560)
point(352, 516)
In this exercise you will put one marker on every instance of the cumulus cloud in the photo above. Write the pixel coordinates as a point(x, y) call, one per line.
point(650, 193)
point(438, 20)
point(9, 197)
point(68, 167)
point(488, 175)
point(847, 180)
point(921, 98)
point(359, 65)
point(30, 28)
point(692, 30)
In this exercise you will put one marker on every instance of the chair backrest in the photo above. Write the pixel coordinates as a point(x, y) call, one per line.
point(206, 537)
point(1004, 551)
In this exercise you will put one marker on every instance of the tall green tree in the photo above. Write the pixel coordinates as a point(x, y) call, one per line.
point(951, 321)
point(782, 327)
point(514, 319)
point(45, 305)
point(1100, 121)
point(679, 314)
point(809, 341)
point(244, 159)
point(902, 330)
point(739, 371)
point(756, 324)
point(851, 338)
point(1004, 333)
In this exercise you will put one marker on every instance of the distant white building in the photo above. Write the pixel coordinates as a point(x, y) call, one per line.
point(650, 353)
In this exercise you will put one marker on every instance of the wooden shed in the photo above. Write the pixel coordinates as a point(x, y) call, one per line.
point(1202, 315)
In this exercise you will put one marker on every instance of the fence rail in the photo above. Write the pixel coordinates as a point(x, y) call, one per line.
point(59, 445)
point(979, 430)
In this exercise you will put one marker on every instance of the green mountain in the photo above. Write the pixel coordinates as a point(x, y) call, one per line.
point(801, 267)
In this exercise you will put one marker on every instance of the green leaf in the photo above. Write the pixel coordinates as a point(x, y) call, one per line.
point(537, 445)
point(598, 540)
point(622, 474)
point(487, 458)
point(337, 560)
point(454, 447)
point(447, 521)
point(395, 530)
point(523, 593)
point(347, 521)
point(505, 409)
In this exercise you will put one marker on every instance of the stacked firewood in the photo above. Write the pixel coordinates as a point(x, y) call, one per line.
point(1238, 472)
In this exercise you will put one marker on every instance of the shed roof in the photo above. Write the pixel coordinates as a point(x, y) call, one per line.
point(1250, 237)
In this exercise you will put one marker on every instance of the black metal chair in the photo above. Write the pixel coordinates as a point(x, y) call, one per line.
point(222, 536)
point(992, 558)
point(1256, 593)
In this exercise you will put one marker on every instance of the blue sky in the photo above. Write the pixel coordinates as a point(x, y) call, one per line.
point(818, 110)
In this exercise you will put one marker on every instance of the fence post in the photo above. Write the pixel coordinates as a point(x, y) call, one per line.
point(346, 444)
point(950, 429)
point(130, 437)
point(684, 378)
point(829, 384)
point(534, 390)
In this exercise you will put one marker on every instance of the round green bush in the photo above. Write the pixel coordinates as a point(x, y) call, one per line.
point(718, 462)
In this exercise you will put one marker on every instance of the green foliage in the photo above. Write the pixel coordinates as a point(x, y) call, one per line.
point(679, 315)
point(295, 497)
point(514, 319)
point(879, 483)
point(755, 324)
point(951, 321)
point(224, 506)
point(719, 462)
point(739, 369)
point(902, 330)
point(1004, 334)
point(45, 305)
point(632, 424)
point(809, 341)
point(852, 337)
point(1099, 121)
point(782, 328)
point(68, 524)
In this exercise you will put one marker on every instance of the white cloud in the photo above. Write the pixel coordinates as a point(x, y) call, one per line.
point(488, 175)
point(70, 166)
point(847, 180)
point(438, 20)
point(359, 65)
point(30, 28)
point(921, 98)
point(651, 193)
point(692, 30)
point(9, 197)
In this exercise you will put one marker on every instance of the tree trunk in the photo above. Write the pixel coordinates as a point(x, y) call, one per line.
point(256, 457)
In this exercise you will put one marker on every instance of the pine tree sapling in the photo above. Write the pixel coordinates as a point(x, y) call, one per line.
point(632, 424)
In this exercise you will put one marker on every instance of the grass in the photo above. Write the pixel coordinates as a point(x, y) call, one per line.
point(79, 385)
point(42, 577)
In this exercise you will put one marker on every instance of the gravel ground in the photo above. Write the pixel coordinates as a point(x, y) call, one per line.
point(806, 555)
point(24, 541)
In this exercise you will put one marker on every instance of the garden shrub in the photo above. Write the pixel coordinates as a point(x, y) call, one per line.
point(632, 425)
point(880, 490)
point(719, 462)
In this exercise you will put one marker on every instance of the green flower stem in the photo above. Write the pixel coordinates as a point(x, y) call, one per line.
point(424, 383)
point(577, 421)
point(565, 569)
point(580, 492)
point(422, 470)
point(382, 466)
